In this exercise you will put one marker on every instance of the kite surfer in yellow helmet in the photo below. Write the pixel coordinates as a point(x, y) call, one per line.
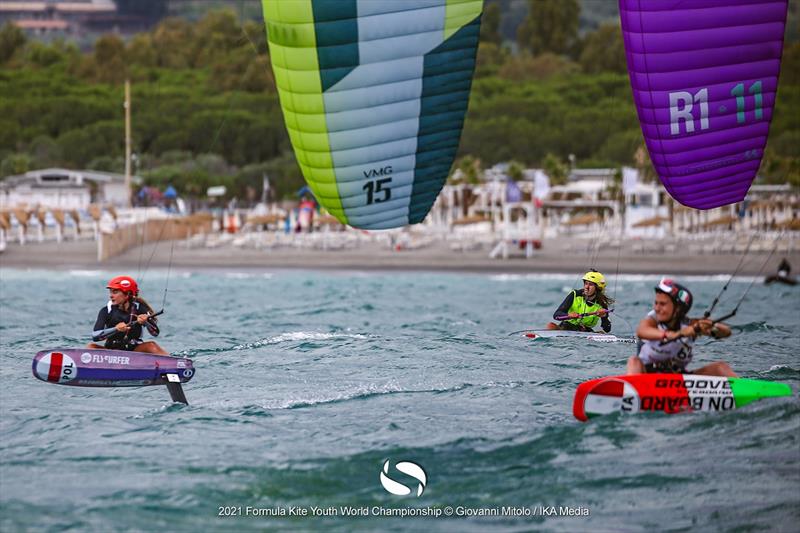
point(582, 309)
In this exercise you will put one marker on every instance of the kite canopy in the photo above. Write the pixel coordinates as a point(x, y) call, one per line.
point(374, 95)
point(704, 75)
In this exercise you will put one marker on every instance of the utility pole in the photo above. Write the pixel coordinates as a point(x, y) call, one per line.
point(128, 141)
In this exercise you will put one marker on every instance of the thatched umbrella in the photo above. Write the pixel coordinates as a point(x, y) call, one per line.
point(96, 212)
point(265, 219)
point(721, 221)
point(474, 219)
point(22, 217)
point(41, 216)
point(792, 224)
point(328, 220)
point(73, 213)
point(583, 220)
point(650, 222)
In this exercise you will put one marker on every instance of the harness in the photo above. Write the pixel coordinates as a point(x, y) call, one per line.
point(580, 306)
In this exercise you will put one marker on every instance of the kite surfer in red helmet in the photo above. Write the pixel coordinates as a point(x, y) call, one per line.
point(120, 323)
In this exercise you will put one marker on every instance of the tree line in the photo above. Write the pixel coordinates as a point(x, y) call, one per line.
point(205, 109)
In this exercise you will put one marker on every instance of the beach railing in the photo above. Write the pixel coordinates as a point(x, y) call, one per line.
point(123, 238)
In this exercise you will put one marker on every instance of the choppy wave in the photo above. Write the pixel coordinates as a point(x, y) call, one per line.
point(308, 382)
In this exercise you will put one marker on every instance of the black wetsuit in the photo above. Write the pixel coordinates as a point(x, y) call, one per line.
point(111, 315)
point(783, 274)
point(563, 310)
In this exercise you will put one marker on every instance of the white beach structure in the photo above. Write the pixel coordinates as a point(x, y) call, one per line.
point(58, 197)
point(65, 189)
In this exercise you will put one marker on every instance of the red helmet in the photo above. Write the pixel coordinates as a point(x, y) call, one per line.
point(125, 284)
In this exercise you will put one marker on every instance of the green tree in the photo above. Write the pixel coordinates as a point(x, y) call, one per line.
point(516, 171)
point(523, 67)
point(490, 24)
point(790, 64)
point(551, 26)
point(489, 59)
point(285, 175)
point(215, 36)
point(9, 134)
point(43, 55)
point(45, 152)
point(109, 59)
point(141, 51)
point(242, 69)
point(11, 39)
point(107, 163)
point(466, 170)
point(620, 147)
point(647, 172)
point(171, 39)
point(15, 164)
point(82, 145)
point(603, 50)
point(555, 169)
point(256, 36)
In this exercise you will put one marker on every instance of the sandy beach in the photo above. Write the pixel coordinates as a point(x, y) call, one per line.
point(556, 256)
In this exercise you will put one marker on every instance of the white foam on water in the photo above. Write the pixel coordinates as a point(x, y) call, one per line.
point(248, 275)
point(85, 273)
point(299, 336)
point(611, 276)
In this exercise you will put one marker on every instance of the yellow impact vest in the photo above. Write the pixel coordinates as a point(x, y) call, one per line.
point(580, 306)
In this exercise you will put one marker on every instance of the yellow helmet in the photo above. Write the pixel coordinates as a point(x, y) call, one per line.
point(595, 277)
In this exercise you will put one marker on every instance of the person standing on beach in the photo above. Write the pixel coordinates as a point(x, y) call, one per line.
point(120, 322)
point(667, 335)
point(782, 276)
point(582, 309)
point(305, 214)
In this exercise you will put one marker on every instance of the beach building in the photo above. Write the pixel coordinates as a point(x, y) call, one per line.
point(57, 17)
point(64, 189)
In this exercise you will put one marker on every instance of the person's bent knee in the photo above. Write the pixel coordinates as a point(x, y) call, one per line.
point(717, 368)
point(635, 365)
point(724, 369)
point(151, 347)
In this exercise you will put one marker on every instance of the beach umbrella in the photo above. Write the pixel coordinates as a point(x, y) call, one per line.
point(583, 220)
point(329, 220)
point(472, 219)
point(791, 224)
point(650, 222)
point(721, 221)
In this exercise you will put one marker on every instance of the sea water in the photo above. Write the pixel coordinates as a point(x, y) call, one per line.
point(307, 383)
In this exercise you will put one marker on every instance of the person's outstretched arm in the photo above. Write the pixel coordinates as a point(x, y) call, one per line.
point(563, 309)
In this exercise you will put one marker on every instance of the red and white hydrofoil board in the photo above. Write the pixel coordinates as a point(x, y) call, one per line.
point(669, 393)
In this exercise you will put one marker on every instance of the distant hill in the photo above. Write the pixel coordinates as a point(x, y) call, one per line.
point(195, 9)
point(593, 12)
point(136, 15)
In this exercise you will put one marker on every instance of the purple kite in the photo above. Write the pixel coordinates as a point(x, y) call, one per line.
point(704, 75)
